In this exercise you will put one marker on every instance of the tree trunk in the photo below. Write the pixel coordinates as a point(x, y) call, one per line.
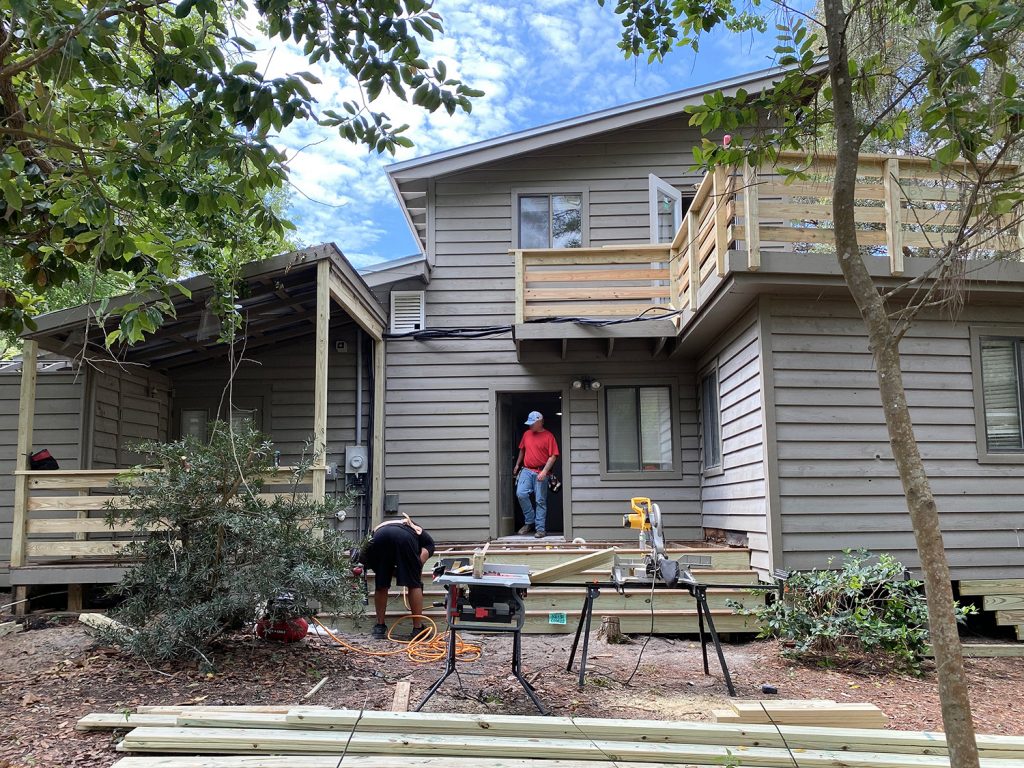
point(924, 514)
point(611, 630)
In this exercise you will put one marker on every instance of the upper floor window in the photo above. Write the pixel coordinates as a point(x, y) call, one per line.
point(550, 220)
point(1002, 394)
point(639, 429)
point(666, 210)
point(710, 422)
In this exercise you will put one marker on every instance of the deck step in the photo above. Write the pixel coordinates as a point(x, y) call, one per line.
point(1003, 597)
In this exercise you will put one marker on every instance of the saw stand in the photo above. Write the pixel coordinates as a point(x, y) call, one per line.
point(460, 611)
point(699, 593)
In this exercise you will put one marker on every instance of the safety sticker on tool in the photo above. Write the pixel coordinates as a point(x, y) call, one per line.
point(556, 618)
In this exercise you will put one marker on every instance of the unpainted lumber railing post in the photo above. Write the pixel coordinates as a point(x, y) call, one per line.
point(323, 321)
point(720, 199)
point(893, 215)
point(693, 256)
point(751, 217)
point(26, 417)
point(520, 287)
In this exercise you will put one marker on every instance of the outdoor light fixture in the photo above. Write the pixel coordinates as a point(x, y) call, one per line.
point(586, 383)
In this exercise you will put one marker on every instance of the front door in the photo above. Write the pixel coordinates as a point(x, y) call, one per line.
point(513, 408)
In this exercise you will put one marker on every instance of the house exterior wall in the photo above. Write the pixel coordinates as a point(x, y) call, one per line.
point(124, 406)
point(735, 499)
point(57, 426)
point(441, 393)
point(279, 381)
point(838, 484)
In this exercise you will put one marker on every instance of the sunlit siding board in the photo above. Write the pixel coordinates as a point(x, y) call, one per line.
point(838, 481)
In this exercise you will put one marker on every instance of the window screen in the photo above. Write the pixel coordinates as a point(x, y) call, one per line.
point(1001, 391)
point(710, 421)
point(638, 429)
point(550, 221)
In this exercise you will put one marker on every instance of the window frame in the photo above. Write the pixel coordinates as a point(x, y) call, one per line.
point(978, 332)
point(710, 370)
point(537, 190)
point(676, 471)
point(656, 184)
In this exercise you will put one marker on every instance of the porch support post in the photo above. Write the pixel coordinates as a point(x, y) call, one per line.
point(751, 217)
point(720, 195)
point(693, 256)
point(26, 416)
point(379, 389)
point(323, 319)
point(893, 215)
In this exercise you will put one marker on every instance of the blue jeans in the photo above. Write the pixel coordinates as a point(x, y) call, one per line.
point(526, 484)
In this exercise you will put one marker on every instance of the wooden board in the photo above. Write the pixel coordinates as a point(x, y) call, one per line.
point(992, 587)
point(570, 567)
point(988, 650)
point(1009, 618)
point(1004, 602)
point(400, 702)
point(106, 721)
point(811, 712)
point(488, 748)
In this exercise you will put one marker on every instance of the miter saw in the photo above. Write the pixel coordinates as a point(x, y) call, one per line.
point(655, 563)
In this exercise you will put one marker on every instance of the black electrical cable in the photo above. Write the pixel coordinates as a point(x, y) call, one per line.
point(640, 656)
point(488, 331)
point(781, 734)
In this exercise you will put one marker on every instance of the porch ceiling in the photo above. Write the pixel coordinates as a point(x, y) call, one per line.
point(277, 300)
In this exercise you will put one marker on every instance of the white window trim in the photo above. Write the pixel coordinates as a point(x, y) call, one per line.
point(655, 185)
point(554, 188)
point(423, 310)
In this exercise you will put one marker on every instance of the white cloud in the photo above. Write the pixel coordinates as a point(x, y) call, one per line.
point(537, 60)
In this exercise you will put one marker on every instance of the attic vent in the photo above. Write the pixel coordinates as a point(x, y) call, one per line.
point(407, 311)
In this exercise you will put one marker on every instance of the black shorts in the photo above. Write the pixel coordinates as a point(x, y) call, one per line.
point(395, 553)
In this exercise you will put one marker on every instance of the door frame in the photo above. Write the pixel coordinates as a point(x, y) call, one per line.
point(564, 446)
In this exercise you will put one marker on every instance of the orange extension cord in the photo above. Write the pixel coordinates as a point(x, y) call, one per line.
point(426, 647)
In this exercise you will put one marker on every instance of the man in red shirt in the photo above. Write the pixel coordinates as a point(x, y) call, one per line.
point(537, 453)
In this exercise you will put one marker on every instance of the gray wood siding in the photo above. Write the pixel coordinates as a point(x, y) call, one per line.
point(736, 500)
point(58, 420)
point(440, 392)
point(128, 405)
point(280, 379)
point(838, 482)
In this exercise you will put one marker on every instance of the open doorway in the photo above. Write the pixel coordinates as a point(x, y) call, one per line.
point(513, 408)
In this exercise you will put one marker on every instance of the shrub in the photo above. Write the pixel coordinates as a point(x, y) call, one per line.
point(867, 609)
point(212, 555)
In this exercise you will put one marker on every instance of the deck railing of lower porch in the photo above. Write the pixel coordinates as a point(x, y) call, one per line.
point(64, 515)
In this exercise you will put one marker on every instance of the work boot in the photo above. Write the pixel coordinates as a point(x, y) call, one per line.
point(525, 530)
point(380, 631)
point(540, 534)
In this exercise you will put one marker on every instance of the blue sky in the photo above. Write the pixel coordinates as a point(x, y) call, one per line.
point(537, 60)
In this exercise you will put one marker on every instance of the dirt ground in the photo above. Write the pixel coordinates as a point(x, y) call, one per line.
point(54, 673)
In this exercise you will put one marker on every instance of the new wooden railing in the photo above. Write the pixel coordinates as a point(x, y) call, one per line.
point(608, 282)
point(903, 208)
point(64, 516)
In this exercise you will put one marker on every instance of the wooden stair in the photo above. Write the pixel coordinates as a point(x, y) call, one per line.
point(555, 609)
point(1005, 597)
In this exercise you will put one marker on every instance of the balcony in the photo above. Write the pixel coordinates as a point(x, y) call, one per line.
point(750, 221)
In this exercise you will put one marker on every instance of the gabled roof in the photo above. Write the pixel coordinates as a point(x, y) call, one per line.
point(396, 270)
point(408, 178)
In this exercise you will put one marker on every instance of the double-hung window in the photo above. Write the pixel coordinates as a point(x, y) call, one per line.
point(553, 220)
point(1002, 394)
point(639, 429)
point(710, 422)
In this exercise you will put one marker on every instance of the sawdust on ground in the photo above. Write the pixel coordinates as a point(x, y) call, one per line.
point(55, 673)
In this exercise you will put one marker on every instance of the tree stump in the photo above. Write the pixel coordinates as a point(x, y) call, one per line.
point(611, 631)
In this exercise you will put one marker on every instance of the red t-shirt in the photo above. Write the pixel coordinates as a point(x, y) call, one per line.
point(539, 447)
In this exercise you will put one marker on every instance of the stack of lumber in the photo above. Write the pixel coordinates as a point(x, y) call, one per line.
point(816, 712)
point(212, 737)
point(1005, 597)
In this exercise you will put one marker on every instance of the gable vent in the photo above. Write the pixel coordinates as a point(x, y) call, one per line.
point(407, 311)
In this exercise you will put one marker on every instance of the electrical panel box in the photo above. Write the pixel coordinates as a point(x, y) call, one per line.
point(332, 470)
point(355, 459)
